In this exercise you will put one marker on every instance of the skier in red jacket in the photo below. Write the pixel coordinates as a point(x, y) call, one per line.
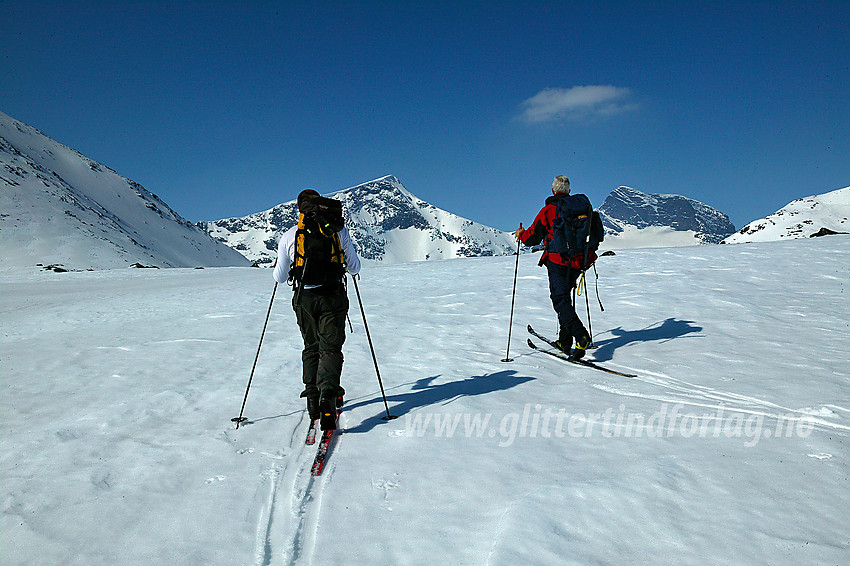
point(562, 277)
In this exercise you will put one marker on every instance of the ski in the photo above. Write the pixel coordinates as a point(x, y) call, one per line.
point(322, 451)
point(538, 335)
point(585, 363)
point(311, 432)
point(552, 342)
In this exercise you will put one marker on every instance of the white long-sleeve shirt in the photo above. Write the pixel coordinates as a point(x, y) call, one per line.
point(286, 254)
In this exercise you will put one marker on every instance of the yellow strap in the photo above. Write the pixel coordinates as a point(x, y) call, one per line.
point(299, 242)
point(580, 285)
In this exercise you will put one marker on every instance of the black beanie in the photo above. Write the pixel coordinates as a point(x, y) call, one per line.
point(305, 194)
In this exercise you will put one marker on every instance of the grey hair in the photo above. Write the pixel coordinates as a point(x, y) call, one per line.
point(561, 184)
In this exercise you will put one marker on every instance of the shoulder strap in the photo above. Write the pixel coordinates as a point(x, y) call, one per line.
point(299, 241)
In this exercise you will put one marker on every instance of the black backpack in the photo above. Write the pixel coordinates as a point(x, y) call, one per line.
point(576, 231)
point(319, 259)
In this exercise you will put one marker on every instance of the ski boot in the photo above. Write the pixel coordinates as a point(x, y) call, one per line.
point(313, 408)
point(328, 407)
point(564, 345)
point(582, 344)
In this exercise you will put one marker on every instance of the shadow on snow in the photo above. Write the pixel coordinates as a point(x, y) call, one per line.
point(666, 330)
point(425, 393)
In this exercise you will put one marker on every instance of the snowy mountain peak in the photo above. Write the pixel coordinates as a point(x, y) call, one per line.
point(629, 214)
point(60, 207)
point(799, 219)
point(387, 223)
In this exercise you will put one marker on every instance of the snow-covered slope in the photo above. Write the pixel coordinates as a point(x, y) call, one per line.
point(59, 207)
point(635, 219)
point(729, 448)
point(387, 223)
point(799, 219)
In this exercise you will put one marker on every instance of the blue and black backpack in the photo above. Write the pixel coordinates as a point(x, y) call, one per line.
point(576, 231)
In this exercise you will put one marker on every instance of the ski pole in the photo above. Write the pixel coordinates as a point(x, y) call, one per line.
point(240, 419)
point(513, 299)
point(389, 417)
point(587, 304)
point(596, 281)
point(348, 318)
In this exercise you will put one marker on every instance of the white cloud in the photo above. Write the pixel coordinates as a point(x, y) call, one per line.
point(578, 102)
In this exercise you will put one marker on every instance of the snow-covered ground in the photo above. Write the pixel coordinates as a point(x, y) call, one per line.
point(731, 447)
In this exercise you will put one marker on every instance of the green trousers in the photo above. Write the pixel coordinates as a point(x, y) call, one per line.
point(321, 318)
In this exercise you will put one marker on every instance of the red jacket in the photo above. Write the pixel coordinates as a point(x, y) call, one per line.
point(541, 230)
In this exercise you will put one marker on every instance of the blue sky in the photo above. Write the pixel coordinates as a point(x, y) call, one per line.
point(228, 108)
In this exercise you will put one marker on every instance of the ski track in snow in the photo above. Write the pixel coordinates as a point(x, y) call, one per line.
point(695, 395)
point(181, 340)
point(288, 526)
point(278, 532)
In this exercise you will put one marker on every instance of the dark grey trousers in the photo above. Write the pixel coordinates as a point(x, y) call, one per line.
point(321, 318)
point(562, 281)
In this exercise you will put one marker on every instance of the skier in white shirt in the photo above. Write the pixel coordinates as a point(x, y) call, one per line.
point(315, 259)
